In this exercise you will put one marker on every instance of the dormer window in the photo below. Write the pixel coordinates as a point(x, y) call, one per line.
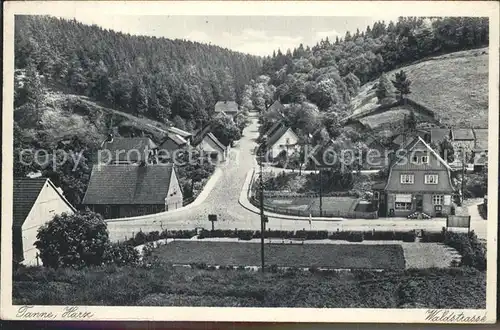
point(414, 159)
point(425, 159)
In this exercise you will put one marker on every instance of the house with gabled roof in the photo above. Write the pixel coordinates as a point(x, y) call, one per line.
point(276, 106)
point(480, 148)
point(128, 150)
point(35, 202)
point(229, 108)
point(283, 139)
point(419, 184)
point(207, 142)
point(127, 190)
point(172, 146)
point(462, 138)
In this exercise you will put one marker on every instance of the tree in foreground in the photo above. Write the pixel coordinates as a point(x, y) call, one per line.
point(74, 240)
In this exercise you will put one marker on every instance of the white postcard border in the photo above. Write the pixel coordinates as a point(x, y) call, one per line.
point(361, 8)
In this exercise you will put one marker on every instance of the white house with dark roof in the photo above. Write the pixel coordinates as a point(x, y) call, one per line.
point(283, 139)
point(127, 190)
point(229, 108)
point(35, 202)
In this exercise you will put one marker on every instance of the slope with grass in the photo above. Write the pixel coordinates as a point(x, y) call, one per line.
point(454, 86)
point(164, 285)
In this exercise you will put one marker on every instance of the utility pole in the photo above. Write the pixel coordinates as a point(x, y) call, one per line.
point(320, 194)
point(262, 217)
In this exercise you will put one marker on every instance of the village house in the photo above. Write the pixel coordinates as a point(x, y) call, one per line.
point(128, 150)
point(127, 190)
point(180, 133)
point(276, 106)
point(480, 150)
point(462, 138)
point(171, 147)
point(283, 139)
point(229, 108)
point(419, 185)
point(35, 202)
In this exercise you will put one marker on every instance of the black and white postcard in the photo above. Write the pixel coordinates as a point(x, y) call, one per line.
point(250, 161)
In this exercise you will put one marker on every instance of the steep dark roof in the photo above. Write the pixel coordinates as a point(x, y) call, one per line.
point(276, 106)
point(201, 134)
point(439, 134)
point(217, 142)
point(462, 134)
point(226, 107)
point(122, 145)
point(179, 132)
point(276, 136)
point(128, 184)
point(274, 128)
point(177, 139)
point(24, 195)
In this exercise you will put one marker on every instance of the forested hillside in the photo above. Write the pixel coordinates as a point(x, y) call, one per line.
point(74, 83)
point(146, 76)
point(321, 81)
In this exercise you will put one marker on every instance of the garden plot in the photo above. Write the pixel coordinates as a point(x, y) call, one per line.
point(338, 256)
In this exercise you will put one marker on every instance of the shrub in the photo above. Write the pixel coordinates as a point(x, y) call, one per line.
point(77, 240)
point(355, 236)
point(312, 234)
point(153, 236)
point(409, 236)
point(472, 251)
point(177, 234)
point(139, 239)
point(433, 237)
point(245, 235)
point(121, 254)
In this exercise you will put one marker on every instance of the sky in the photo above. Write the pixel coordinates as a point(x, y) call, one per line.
point(257, 35)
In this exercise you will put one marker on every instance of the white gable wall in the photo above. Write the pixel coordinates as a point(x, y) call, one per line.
point(175, 198)
point(282, 142)
point(208, 145)
point(48, 204)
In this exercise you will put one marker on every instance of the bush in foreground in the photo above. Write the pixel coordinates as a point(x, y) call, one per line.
point(77, 240)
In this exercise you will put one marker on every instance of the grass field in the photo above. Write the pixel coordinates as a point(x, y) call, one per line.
point(163, 285)
point(454, 86)
point(350, 256)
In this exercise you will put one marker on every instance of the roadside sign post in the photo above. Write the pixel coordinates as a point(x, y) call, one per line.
point(212, 218)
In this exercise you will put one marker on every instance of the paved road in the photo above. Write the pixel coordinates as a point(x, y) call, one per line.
point(223, 201)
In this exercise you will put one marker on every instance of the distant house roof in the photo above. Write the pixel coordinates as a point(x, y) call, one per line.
point(276, 106)
point(25, 194)
point(462, 134)
point(439, 134)
point(128, 184)
point(123, 146)
point(179, 132)
point(481, 139)
point(217, 142)
point(379, 185)
point(401, 138)
point(228, 107)
point(177, 139)
point(274, 128)
point(277, 135)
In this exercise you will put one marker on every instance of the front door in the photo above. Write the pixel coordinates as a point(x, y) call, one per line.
point(419, 203)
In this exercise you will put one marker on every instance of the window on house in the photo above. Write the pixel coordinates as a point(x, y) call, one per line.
point(414, 160)
point(431, 179)
point(425, 159)
point(407, 178)
point(140, 210)
point(437, 199)
point(402, 206)
point(376, 195)
point(287, 140)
